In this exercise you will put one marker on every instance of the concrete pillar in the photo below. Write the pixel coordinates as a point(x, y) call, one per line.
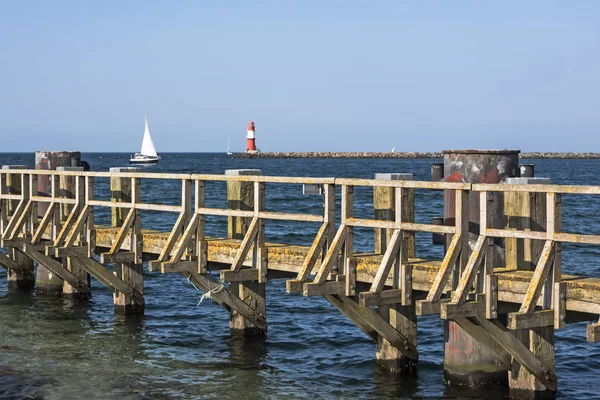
point(466, 362)
point(46, 282)
point(24, 279)
point(240, 196)
point(527, 211)
point(67, 189)
point(402, 318)
point(131, 273)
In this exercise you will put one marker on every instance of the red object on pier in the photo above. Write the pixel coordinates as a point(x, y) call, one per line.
point(251, 139)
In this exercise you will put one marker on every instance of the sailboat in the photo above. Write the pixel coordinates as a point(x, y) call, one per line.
point(228, 150)
point(147, 154)
point(394, 149)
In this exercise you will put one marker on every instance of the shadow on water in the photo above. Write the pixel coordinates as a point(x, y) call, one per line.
point(247, 357)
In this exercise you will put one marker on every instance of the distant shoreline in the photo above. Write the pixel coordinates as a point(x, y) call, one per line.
point(410, 155)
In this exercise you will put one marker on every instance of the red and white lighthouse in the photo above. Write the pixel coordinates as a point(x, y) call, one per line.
point(251, 139)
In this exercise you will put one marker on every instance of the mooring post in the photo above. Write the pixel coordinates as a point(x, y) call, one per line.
point(23, 279)
point(68, 189)
point(527, 211)
point(402, 318)
point(47, 282)
point(240, 196)
point(467, 362)
point(127, 190)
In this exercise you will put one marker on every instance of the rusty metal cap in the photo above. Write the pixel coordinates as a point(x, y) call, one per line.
point(481, 151)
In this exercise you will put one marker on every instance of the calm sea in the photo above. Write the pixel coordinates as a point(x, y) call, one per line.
point(54, 348)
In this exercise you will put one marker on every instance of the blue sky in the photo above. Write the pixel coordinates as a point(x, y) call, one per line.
point(313, 75)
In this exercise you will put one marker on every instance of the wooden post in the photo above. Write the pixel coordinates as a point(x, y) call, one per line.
point(24, 279)
point(384, 207)
point(527, 211)
point(402, 318)
point(71, 187)
point(128, 190)
point(240, 196)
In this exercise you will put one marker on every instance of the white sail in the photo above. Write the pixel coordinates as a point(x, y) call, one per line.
point(148, 148)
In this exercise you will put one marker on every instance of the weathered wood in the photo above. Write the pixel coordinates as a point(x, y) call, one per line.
point(468, 309)
point(430, 307)
point(321, 289)
point(391, 296)
point(108, 279)
point(240, 276)
point(535, 319)
point(184, 243)
point(519, 352)
point(315, 250)
point(123, 232)
point(332, 253)
point(57, 268)
point(468, 276)
point(446, 268)
point(247, 243)
point(593, 333)
point(539, 277)
point(483, 337)
point(341, 303)
point(386, 262)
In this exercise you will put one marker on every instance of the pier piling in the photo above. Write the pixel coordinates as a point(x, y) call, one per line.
point(402, 318)
point(242, 196)
point(127, 190)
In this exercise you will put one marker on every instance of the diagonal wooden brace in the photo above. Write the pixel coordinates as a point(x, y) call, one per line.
point(227, 299)
point(108, 279)
point(55, 267)
point(247, 242)
point(386, 263)
point(468, 276)
point(41, 229)
point(295, 285)
point(122, 235)
point(519, 352)
point(539, 277)
point(332, 252)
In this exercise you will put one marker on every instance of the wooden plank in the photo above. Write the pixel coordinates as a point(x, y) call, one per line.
point(180, 266)
point(120, 257)
point(225, 297)
point(67, 251)
point(429, 307)
point(56, 268)
point(451, 311)
point(246, 244)
point(108, 279)
point(391, 296)
point(539, 277)
point(242, 275)
point(535, 319)
point(519, 352)
point(386, 262)
point(331, 255)
point(468, 276)
point(321, 289)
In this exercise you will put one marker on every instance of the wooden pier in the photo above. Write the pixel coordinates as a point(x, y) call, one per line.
point(382, 292)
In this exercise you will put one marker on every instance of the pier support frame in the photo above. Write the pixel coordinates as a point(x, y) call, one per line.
point(401, 318)
point(47, 282)
point(466, 361)
point(24, 277)
point(132, 273)
point(240, 196)
point(527, 211)
point(68, 189)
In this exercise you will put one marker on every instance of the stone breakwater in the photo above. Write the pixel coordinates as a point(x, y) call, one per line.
point(530, 155)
